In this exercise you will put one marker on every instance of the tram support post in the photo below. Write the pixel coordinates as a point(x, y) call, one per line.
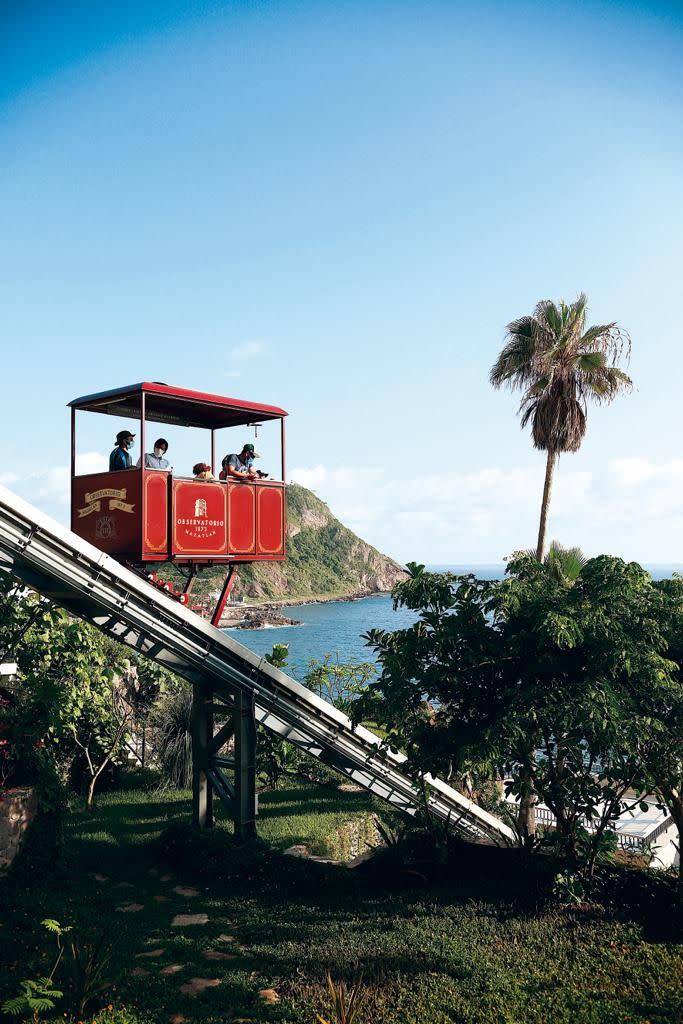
point(245, 767)
point(202, 734)
point(225, 594)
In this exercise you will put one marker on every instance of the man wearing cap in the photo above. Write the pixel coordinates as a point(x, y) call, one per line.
point(240, 466)
point(119, 458)
point(156, 458)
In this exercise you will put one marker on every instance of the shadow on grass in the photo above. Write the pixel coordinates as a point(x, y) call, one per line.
point(305, 799)
point(473, 938)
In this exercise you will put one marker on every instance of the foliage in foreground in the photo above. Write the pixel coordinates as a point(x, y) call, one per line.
point(479, 940)
point(574, 688)
point(171, 720)
point(346, 1001)
point(78, 695)
point(88, 964)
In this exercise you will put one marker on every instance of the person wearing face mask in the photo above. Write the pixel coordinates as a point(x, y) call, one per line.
point(120, 457)
point(156, 459)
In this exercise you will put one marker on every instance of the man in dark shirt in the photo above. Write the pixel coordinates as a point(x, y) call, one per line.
point(240, 466)
point(119, 458)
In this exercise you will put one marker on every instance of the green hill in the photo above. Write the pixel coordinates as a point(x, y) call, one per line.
point(324, 560)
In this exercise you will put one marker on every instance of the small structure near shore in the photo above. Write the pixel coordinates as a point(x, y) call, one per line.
point(264, 617)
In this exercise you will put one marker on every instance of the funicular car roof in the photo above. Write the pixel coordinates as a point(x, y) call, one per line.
point(180, 406)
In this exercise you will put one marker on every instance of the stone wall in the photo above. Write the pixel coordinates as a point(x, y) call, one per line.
point(350, 841)
point(17, 811)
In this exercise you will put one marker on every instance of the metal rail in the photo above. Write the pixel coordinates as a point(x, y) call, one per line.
point(91, 585)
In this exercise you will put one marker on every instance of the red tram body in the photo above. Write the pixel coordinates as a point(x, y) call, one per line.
point(143, 516)
point(147, 515)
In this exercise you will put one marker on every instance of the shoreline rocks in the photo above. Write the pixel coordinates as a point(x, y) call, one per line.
point(256, 617)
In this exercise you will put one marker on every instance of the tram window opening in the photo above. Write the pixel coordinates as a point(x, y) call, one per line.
point(266, 438)
point(95, 438)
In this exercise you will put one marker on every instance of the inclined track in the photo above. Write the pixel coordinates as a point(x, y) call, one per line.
point(91, 585)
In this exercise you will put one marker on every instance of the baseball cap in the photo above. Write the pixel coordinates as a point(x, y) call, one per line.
point(250, 448)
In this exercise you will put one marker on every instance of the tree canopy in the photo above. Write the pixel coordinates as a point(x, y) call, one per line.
point(553, 687)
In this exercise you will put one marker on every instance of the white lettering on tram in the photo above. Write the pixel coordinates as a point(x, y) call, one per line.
point(204, 522)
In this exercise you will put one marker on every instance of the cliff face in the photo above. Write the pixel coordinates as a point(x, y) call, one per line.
point(324, 558)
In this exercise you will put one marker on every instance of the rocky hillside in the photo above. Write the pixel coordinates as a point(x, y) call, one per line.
point(324, 558)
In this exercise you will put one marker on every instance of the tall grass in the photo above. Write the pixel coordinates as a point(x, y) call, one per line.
point(172, 725)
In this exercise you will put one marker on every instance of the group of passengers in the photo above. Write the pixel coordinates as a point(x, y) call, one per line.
point(237, 465)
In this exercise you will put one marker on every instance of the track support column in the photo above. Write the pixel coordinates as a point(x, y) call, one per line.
point(244, 810)
point(202, 734)
point(230, 578)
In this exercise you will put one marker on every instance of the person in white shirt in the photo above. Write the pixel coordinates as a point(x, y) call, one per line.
point(156, 460)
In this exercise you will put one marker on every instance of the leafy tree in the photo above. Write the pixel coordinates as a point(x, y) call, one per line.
point(551, 682)
point(559, 366)
point(588, 660)
point(340, 683)
point(564, 565)
point(436, 698)
point(661, 756)
point(20, 611)
point(79, 694)
point(274, 756)
point(278, 656)
point(115, 696)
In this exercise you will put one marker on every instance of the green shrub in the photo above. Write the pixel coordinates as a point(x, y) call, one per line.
point(37, 995)
point(172, 724)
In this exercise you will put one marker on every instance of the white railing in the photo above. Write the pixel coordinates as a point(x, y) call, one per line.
point(628, 842)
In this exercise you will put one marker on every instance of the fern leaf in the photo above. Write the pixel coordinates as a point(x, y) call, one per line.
point(14, 1006)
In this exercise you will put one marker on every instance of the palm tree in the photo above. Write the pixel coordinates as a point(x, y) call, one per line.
point(563, 564)
point(559, 366)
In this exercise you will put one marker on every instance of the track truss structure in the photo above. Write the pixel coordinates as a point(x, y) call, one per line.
point(231, 685)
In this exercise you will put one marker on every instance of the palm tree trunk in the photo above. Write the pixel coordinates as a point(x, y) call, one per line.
point(545, 504)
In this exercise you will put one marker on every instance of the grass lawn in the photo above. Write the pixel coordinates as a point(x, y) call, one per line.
point(475, 947)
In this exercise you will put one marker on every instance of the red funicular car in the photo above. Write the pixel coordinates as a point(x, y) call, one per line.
point(145, 516)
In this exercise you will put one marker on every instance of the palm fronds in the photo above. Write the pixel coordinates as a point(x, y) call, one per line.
point(564, 564)
point(559, 366)
point(172, 724)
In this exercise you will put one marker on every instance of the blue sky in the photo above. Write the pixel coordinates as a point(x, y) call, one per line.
point(336, 208)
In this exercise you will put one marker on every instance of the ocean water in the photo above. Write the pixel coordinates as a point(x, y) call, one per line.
point(333, 628)
point(336, 627)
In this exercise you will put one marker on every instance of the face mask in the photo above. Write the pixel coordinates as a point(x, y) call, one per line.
point(158, 452)
point(129, 443)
